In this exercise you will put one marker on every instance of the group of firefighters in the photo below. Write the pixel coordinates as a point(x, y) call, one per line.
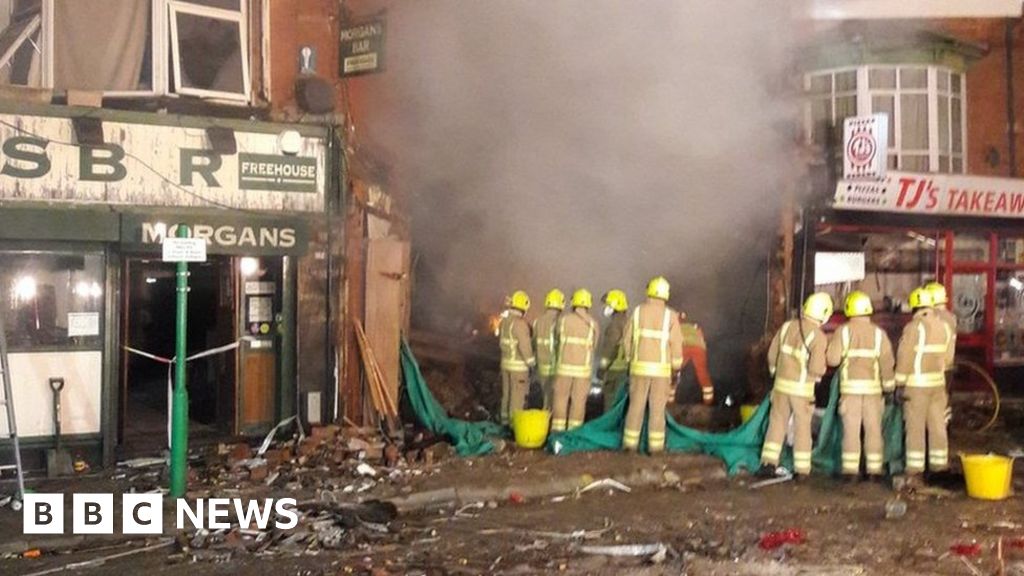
point(648, 347)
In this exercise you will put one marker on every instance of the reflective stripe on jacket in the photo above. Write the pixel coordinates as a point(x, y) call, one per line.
point(922, 357)
point(654, 344)
point(514, 338)
point(544, 341)
point(576, 337)
point(796, 357)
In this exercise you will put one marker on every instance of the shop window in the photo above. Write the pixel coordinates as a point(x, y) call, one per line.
point(919, 140)
point(971, 247)
point(1011, 250)
point(969, 292)
point(201, 48)
point(52, 300)
point(1009, 330)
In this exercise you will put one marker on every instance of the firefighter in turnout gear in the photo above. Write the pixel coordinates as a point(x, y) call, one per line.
point(516, 355)
point(695, 351)
point(575, 340)
point(921, 361)
point(864, 355)
point(614, 366)
point(544, 342)
point(653, 343)
point(796, 358)
point(940, 301)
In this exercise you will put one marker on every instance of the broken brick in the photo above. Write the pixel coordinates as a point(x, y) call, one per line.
point(325, 433)
point(239, 452)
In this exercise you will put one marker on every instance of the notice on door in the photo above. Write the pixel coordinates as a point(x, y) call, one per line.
point(83, 324)
point(184, 250)
point(261, 309)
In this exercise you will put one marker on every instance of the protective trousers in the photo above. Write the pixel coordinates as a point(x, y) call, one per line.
point(569, 405)
point(651, 395)
point(862, 410)
point(547, 389)
point(613, 382)
point(802, 409)
point(514, 387)
point(925, 413)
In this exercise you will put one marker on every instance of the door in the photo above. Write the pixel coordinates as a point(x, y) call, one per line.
point(260, 321)
point(387, 285)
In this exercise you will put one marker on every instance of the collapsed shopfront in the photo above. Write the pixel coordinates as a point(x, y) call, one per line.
point(86, 297)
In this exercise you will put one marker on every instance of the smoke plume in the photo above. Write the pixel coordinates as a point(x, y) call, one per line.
point(593, 143)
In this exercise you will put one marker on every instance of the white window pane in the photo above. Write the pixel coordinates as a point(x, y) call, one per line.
point(942, 77)
point(882, 78)
point(956, 120)
point(886, 105)
point(958, 165)
point(224, 4)
point(846, 81)
point(211, 54)
point(943, 123)
point(955, 83)
point(913, 78)
point(914, 121)
point(821, 119)
point(914, 163)
point(19, 61)
point(821, 84)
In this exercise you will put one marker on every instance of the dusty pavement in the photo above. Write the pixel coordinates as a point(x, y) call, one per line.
point(706, 524)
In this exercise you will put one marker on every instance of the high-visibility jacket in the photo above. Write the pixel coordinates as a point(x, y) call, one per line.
point(796, 357)
point(514, 338)
point(544, 341)
point(863, 353)
point(950, 320)
point(693, 336)
point(654, 342)
point(923, 352)
point(612, 352)
point(576, 339)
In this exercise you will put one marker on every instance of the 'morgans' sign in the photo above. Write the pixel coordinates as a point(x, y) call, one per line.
point(937, 194)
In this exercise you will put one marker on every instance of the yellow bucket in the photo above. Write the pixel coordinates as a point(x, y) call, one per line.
point(531, 427)
point(747, 412)
point(988, 476)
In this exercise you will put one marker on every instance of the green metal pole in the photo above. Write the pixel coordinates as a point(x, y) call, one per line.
point(179, 411)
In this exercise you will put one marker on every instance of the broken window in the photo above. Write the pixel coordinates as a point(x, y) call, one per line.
point(200, 49)
point(208, 49)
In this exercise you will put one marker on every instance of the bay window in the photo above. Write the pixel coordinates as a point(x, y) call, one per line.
point(924, 105)
point(128, 47)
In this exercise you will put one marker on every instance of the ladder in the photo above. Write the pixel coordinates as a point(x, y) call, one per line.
point(12, 426)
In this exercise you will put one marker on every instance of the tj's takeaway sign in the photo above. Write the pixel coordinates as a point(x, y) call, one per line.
point(935, 194)
point(156, 165)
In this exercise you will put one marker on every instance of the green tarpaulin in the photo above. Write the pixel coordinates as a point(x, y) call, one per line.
point(740, 448)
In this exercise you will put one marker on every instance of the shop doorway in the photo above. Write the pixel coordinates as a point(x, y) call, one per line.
point(147, 325)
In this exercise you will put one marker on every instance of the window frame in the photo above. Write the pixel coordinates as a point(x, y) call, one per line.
point(163, 44)
point(865, 105)
point(240, 18)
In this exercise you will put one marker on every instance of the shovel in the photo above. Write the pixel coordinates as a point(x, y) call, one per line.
point(58, 460)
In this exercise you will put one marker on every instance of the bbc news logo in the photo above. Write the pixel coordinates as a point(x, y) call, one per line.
point(144, 513)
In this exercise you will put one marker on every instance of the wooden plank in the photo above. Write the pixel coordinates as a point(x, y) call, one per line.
point(257, 389)
point(386, 275)
point(350, 383)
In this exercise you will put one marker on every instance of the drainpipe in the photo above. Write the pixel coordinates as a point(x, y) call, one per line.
point(1011, 116)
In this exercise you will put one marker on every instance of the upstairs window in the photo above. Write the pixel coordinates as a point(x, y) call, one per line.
point(925, 106)
point(127, 47)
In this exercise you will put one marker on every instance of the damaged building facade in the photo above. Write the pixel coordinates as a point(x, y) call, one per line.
point(183, 112)
point(948, 80)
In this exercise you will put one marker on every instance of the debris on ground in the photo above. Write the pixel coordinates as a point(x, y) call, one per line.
point(773, 540)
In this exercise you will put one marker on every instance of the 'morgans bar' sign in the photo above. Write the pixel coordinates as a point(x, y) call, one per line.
point(937, 194)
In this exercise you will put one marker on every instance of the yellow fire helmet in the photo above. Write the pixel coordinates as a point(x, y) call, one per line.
point(658, 288)
point(519, 300)
point(938, 292)
point(555, 299)
point(920, 298)
point(818, 306)
point(616, 300)
point(582, 299)
point(858, 304)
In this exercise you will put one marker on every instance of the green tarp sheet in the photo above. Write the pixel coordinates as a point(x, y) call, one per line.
point(740, 448)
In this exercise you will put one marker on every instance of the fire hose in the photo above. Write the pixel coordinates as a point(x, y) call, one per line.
point(991, 383)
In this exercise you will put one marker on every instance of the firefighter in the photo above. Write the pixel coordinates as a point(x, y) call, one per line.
point(653, 343)
point(796, 359)
point(576, 338)
point(921, 361)
point(544, 342)
point(940, 301)
point(516, 355)
point(614, 366)
point(695, 350)
point(863, 353)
